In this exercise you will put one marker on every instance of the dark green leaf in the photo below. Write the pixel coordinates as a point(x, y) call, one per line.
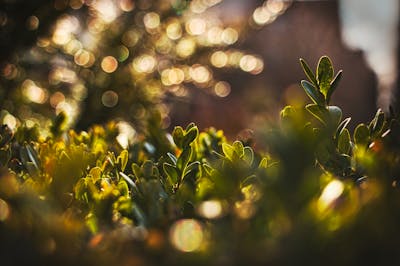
point(177, 135)
point(171, 172)
point(333, 86)
point(344, 142)
point(319, 112)
point(310, 75)
point(377, 123)
point(190, 136)
point(335, 114)
point(123, 187)
point(315, 95)
point(342, 126)
point(136, 170)
point(361, 134)
point(248, 155)
point(172, 157)
point(184, 158)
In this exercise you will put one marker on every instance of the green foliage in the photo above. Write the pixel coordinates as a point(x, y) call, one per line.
point(81, 195)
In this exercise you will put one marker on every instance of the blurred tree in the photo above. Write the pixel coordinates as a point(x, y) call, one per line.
point(106, 59)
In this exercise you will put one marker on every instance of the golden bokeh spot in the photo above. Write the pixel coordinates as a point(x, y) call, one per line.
point(151, 20)
point(262, 16)
point(144, 64)
point(186, 235)
point(185, 47)
point(72, 47)
point(222, 89)
point(109, 64)
point(81, 57)
point(229, 36)
point(173, 76)
point(219, 59)
point(10, 121)
point(276, 6)
point(195, 26)
point(214, 35)
point(126, 5)
point(34, 93)
point(56, 98)
point(200, 74)
point(252, 64)
point(174, 30)
point(109, 98)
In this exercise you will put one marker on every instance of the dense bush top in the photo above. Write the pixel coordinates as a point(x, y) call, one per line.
point(321, 194)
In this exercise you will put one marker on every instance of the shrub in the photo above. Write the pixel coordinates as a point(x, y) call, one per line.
point(319, 195)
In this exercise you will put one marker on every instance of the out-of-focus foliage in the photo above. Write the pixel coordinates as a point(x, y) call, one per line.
point(320, 195)
point(106, 59)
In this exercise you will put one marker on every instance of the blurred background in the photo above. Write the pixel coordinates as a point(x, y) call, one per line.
point(230, 64)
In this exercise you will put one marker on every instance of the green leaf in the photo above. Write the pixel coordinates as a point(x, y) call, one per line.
point(147, 168)
point(315, 95)
point(263, 163)
point(172, 157)
point(92, 223)
point(376, 125)
point(238, 148)
point(95, 173)
point(344, 142)
point(335, 114)
point(248, 155)
point(228, 151)
point(178, 135)
point(123, 159)
point(361, 134)
point(310, 75)
point(184, 158)
point(136, 170)
point(171, 172)
point(190, 136)
point(324, 74)
point(321, 113)
point(190, 126)
point(129, 181)
point(80, 189)
point(123, 187)
point(342, 126)
point(333, 86)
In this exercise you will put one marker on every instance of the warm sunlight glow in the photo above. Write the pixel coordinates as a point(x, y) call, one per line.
point(210, 209)
point(186, 235)
point(4, 210)
point(33, 92)
point(331, 192)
